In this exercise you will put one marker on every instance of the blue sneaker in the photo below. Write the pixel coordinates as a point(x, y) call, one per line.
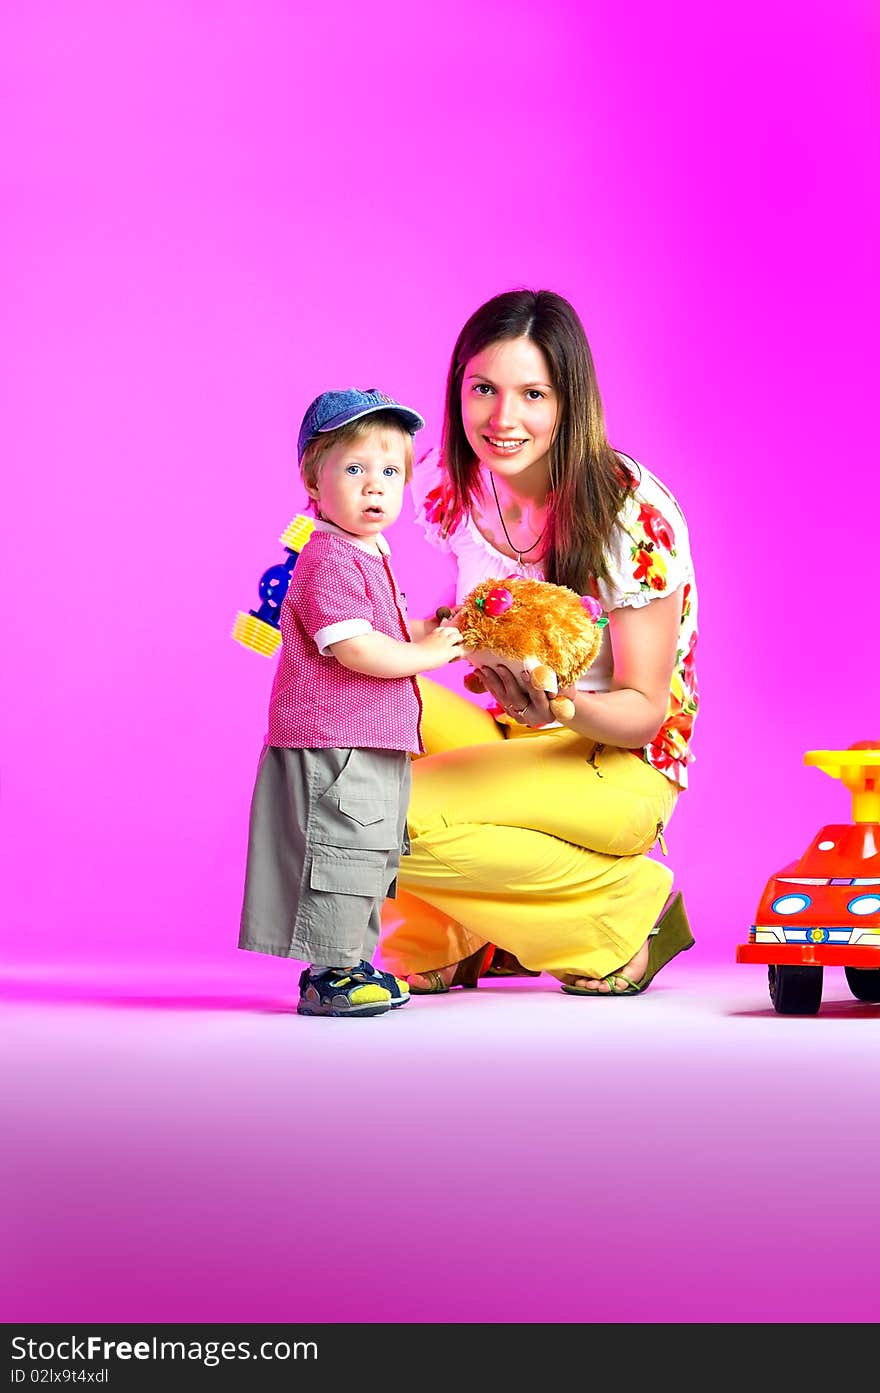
point(396, 986)
point(342, 992)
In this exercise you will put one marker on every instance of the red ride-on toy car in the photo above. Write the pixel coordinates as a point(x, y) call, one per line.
point(824, 909)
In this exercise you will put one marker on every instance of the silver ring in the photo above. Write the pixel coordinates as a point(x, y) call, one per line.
point(519, 714)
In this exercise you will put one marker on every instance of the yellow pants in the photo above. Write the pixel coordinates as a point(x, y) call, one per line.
point(534, 843)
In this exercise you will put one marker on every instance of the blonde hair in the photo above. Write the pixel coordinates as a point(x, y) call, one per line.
point(313, 455)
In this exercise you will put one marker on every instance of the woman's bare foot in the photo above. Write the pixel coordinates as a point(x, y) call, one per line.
point(461, 974)
point(635, 970)
point(421, 983)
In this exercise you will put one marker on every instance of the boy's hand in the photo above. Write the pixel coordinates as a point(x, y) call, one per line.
point(420, 628)
point(442, 645)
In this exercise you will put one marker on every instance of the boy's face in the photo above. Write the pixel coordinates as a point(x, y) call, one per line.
point(361, 481)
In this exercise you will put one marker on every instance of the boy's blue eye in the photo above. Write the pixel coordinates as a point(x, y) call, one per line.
point(390, 470)
point(353, 469)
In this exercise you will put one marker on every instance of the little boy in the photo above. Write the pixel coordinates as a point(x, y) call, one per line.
point(328, 815)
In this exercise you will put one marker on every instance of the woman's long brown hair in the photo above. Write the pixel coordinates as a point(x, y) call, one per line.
point(588, 482)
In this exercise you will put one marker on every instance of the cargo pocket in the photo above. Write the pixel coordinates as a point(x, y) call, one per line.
point(352, 820)
point(338, 871)
point(343, 887)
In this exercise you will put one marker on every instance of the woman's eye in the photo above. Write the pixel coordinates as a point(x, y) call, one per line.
point(534, 395)
point(482, 389)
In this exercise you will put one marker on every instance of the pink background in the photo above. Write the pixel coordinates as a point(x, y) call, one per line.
point(212, 212)
point(205, 224)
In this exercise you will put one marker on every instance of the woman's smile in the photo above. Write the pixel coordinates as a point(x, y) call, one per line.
point(505, 446)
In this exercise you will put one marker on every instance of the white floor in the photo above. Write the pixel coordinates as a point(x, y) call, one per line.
point(188, 1149)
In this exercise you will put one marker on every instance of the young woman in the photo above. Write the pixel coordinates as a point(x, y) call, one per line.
point(528, 835)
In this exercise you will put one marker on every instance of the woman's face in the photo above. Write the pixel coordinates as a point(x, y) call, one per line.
point(509, 406)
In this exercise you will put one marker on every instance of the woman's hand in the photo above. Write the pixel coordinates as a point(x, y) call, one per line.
point(524, 704)
point(643, 646)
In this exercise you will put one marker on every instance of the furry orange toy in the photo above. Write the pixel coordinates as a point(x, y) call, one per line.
point(544, 633)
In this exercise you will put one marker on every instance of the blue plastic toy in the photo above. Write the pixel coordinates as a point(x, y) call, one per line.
point(258, 629)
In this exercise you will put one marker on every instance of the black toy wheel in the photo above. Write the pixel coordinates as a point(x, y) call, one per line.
point(864, 982)
point(795, 990)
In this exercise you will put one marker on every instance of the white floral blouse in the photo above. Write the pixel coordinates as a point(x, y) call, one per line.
point(649, 557)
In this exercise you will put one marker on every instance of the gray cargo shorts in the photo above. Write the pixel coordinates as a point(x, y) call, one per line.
point(327, 830)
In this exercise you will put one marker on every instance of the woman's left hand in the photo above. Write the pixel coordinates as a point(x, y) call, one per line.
point(525, 704)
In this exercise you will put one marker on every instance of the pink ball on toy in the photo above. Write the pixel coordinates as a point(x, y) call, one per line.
point(497, 602)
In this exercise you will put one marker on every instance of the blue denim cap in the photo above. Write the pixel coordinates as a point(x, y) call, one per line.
point(331, 410)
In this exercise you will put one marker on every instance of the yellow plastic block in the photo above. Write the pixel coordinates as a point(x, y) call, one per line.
point(297, 532)
point(255, 634)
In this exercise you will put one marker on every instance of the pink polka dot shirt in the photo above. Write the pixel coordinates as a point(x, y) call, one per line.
point(338, 590)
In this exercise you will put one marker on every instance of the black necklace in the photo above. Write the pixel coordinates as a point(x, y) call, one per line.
point(519, 554)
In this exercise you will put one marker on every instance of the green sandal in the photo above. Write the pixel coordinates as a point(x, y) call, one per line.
point(467, 974)
point(671, 936)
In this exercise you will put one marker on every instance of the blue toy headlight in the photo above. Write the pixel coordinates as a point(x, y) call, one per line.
point(864, 904)
point(790, 904)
